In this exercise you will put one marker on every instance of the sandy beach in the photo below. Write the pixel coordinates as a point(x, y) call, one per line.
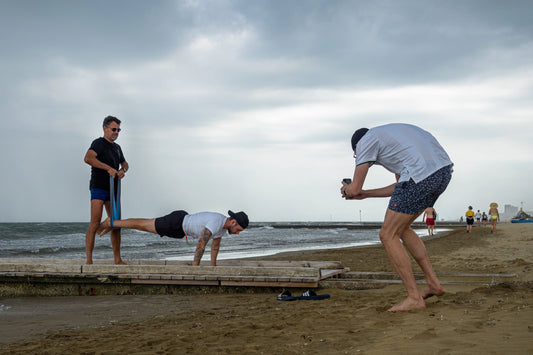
point(467, 319)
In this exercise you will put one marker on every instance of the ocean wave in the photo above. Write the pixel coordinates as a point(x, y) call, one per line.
point(43, 251)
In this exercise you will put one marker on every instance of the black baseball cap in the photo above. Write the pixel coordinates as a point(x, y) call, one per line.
point(357, 136)
point(240, 217)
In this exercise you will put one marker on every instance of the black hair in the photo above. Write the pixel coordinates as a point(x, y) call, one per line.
point(110, 119)
point(357, 136)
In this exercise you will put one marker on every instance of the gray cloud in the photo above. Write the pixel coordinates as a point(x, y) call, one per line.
point(254, 96)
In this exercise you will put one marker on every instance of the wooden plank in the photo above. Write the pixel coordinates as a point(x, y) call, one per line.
point(326, 273)
point(269, 284)
point(198, 270)
point(38, 268)
point(176, 282)
point(393, 274)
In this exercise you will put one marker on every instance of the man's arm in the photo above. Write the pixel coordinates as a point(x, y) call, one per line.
point(215, 246)
point(354, 191)
point(92, 160)
point(125, 166)
point(200, 248)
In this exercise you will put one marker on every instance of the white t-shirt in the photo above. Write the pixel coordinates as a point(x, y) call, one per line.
point(194, 224)
point(402, 149)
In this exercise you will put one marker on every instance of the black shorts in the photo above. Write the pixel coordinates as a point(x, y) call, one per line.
point(470, 221)
point(171, 225)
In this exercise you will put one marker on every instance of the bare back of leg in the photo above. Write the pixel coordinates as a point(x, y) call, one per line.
point(394, 227)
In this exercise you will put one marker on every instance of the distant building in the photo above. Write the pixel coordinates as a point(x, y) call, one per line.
point(509, 211)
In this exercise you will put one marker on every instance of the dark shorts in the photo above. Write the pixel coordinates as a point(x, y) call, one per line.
point(171, 225)
point(412, 198)
point(470, 221)
point(99, 194)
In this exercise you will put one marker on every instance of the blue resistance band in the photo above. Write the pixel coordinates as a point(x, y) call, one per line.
point(115, 199)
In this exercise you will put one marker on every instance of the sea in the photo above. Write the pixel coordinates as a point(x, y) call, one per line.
point(67, 241)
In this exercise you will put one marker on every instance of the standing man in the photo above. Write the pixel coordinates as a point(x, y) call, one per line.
point(178, 224)
point(105, 157)
point(429, 216)
point(423, 171)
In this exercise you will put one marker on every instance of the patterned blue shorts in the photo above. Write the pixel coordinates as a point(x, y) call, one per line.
point(412, 198)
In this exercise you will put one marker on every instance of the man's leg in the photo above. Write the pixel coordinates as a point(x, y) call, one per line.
point(393, 228)
point(115, 239)
point(96, 217)
point(142, 224)
point(418, 250)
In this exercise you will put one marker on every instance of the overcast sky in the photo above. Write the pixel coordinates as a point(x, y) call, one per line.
point(250, 105)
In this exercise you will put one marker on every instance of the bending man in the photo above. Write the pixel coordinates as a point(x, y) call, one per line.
point(178, 224)
point(423, 171)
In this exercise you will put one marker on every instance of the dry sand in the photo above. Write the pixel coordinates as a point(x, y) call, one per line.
point(466, 320)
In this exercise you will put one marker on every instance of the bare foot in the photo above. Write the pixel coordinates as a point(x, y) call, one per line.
point(408, 305)
point(430, 292)
point(104, 227)
point(120, 262)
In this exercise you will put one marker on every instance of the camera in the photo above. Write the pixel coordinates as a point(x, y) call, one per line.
point(347, 181)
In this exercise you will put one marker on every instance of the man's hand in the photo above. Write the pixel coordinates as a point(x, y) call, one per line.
point(112, 172)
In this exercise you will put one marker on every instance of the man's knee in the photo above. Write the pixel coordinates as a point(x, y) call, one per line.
point(386, 235)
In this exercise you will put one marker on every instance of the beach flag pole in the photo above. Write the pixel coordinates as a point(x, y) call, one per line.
point(114, 182)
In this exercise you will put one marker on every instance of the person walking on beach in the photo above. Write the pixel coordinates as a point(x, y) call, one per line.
point(179, 224)
point(105, 158)
point(423, 171)
point(469, 219)
point(494, 216)
point(478, 218)
point(429, 217)
point(484, 219)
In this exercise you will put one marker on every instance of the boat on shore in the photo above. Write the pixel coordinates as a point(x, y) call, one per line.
point(522, 217)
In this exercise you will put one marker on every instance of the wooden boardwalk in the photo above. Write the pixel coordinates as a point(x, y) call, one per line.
point(67, 277)
point(57, 277)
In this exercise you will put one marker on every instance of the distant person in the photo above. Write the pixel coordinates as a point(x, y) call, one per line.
point(478, 218)
point(469, 219)
point(484, 219)
point(429, 216)
point(179, 224)
point(494, 216)
point(105, 158)
point(423, 170)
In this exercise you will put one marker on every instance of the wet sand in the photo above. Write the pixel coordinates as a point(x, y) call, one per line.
point(466, 320)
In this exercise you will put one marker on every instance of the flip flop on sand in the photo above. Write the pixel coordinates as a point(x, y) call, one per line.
point(311, 295)
point(286, 296)
point(307, 295)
